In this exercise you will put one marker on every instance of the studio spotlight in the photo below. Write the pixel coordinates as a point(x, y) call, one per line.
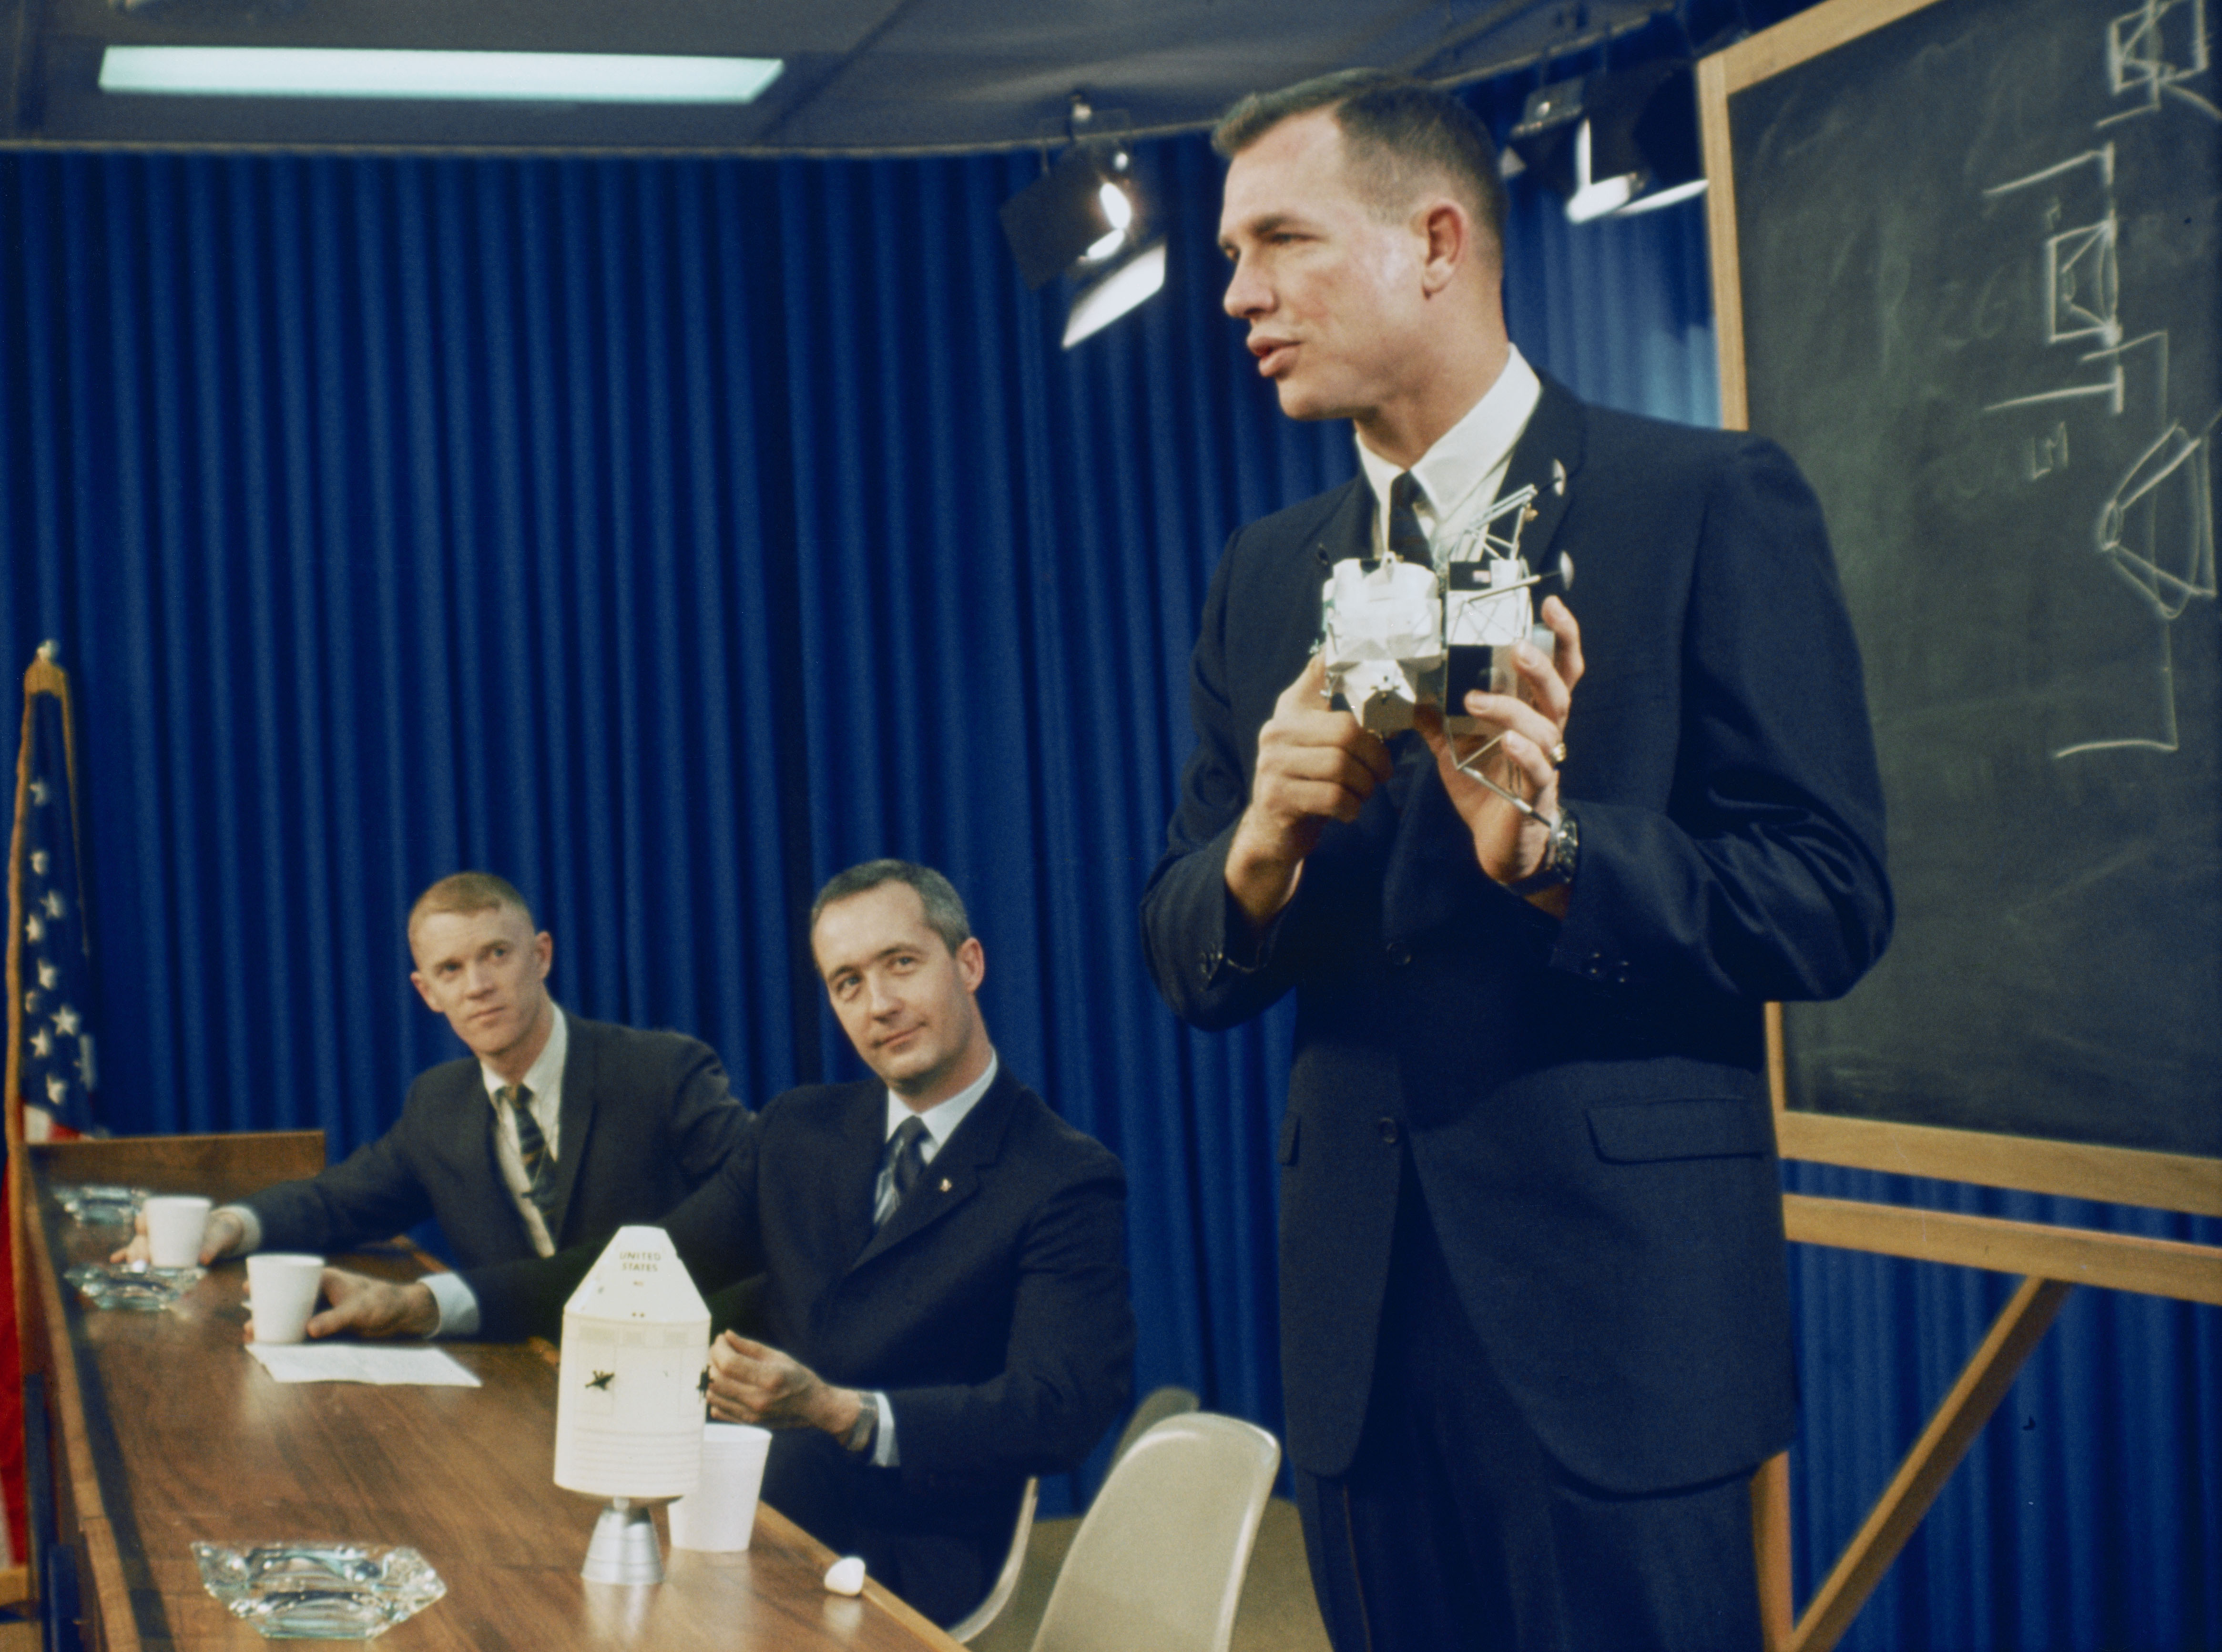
point(1085, 218)
point(1624, 142)
point(1075, 217)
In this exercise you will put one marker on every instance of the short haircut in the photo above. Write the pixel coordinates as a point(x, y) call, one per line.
point(1395, 132)
point(945, 909)
point(468, 892)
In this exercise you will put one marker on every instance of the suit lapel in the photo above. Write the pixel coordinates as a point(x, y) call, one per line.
point(1548, 456)
point(953, 1176)
point(855, 1167)
point(581, 1074)
point(1347, 531)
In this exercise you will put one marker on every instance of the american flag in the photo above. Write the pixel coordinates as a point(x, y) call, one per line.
point(49, 956)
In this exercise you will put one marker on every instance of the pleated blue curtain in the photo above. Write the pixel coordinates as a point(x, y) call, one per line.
point(667, 534)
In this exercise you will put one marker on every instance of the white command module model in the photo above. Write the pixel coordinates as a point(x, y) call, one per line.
point(630, 1397)
point(1398, 635)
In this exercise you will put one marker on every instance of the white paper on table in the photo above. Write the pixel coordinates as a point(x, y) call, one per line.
point(425, 1367)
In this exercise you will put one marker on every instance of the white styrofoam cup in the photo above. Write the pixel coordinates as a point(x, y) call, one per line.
point(282, 1290)
point(719, 1513)
point(174, 1222)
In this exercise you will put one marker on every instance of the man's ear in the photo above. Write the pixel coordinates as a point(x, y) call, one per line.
point(425, 992)
point(543, 952)
point(1448, 234)
point(972, 963)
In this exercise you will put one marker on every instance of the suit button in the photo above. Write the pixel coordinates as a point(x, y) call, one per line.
point(1389, 1133)
point(1399, 954)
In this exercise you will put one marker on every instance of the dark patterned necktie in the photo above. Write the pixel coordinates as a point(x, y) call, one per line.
point(1406, 537)
point(907, 1153)
point(532, 1150)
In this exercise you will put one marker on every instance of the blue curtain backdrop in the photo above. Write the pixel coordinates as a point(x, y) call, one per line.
point(669, 534)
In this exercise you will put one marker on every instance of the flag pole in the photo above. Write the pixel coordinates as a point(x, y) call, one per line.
point(44, 676)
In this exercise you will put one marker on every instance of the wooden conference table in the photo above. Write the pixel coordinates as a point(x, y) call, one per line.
point(166, 1433)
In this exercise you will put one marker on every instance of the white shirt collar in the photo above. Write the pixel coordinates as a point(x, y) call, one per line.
point(1469, 453)
point(944, 1116)
point(546, 1072)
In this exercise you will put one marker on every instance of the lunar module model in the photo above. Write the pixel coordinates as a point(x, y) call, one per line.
point(1397, 634)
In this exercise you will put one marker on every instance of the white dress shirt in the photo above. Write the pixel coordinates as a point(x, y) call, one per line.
point(1460, 476)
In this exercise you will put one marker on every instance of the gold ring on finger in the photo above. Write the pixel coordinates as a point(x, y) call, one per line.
point(1559, 753)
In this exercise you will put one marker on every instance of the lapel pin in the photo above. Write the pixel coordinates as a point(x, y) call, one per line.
point(945, 1184)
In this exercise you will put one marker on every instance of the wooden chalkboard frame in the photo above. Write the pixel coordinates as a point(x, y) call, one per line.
point(2182, 1182)
point(2052, 1259)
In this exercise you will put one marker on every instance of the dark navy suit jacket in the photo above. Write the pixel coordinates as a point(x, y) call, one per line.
point(992, 1309)
point(1584, 1101)
point(648, 1118)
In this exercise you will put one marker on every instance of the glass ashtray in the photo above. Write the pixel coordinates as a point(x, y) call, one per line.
point(319, 1591)
point(133, 1284)
point(101, 1206)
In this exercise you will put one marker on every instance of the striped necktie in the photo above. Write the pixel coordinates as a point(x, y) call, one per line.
point(907, 1160)
point(532, 1150)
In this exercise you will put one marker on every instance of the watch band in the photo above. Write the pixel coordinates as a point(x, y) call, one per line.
point(1560, 854)
point(859, 1436)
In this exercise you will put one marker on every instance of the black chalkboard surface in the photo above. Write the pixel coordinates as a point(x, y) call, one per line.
point(1981, 279)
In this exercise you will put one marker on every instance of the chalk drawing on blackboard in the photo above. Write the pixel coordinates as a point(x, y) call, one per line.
point(2047, 454)
point(2157, 526)
point(2152, 50)
point(2157, 531)
point(2083, 278)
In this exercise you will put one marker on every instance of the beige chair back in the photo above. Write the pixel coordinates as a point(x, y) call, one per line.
point(1156, 1405)
point(1157, 1564)
point(969, 1626)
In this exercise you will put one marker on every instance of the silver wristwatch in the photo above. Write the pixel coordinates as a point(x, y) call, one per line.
point(1560, 854)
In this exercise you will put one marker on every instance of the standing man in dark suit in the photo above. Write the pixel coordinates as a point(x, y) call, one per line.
point(553, 1127)
point(946, 1296)
point(1534, 1328)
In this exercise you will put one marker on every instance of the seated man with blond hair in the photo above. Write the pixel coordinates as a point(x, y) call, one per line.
point(551, 1129)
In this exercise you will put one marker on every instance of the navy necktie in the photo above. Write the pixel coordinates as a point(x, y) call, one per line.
point(1407, 538)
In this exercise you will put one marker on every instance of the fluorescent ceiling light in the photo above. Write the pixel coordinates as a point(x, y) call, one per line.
point(1138, 279)
point(513, 77)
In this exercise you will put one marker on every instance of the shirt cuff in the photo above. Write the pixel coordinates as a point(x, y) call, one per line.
point(883, 1442)
point(250, 1225)
point(459, 1307)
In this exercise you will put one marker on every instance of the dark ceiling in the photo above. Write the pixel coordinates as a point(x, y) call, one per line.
point(861, 76)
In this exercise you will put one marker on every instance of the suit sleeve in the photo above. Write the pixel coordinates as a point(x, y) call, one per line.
point(373, 1193)
point(1068, 1369)
point(1763, 878)
point(714, 1231)
point(704, 1119)
point(1207, 966)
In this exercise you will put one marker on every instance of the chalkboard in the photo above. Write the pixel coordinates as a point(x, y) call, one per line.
point(1972, 251)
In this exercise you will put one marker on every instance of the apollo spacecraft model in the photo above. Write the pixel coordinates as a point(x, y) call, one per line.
point(635, 1368)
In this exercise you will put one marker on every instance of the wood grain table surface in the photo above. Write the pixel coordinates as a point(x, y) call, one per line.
point(172, 1434)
